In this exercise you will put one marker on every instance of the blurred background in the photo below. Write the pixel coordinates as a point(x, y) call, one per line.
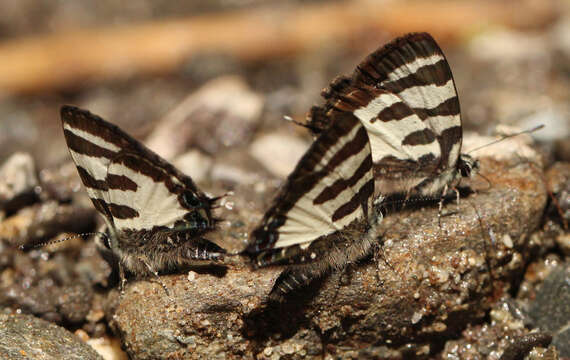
point(206, 84)
point(140, 63)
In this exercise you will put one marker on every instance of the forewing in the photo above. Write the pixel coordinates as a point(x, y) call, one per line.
point(330, 188)
point(414, 68)
point(128, 183)
point(161, 195)
point(92, 143)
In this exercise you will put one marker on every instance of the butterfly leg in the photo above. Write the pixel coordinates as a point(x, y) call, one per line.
point(155, 273)
point(123, 279)
point(456, 195)
point(440, 206)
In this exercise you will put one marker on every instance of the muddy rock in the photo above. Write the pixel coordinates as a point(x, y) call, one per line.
point(27, 337)
point(425, 281)
point(278, 153)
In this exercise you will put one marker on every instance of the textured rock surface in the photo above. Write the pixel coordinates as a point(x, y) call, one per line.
point(27, 337)
point(423, 284)
point(551, 308)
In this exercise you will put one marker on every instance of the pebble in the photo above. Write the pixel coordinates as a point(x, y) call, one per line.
point(278, 153)
point(18, 181)
point(195, 164)
point(223, 113)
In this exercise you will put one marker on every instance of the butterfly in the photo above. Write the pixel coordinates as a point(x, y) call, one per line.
point(391, 130)
point(323, 216)
point(155, 215)
point(405, 96)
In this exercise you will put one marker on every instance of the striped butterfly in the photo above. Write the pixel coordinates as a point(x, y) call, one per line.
point(322, 217)
point(405, 97)
point(393, 129)
point(155, 215)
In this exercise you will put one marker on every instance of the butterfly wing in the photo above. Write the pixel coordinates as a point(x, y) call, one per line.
point(418, 109)
point(129, 184)
point(329, 190)
point(92, 143)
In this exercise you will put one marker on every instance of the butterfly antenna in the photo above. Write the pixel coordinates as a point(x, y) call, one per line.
point(25, 247)
point(306, 126)
point(536, 128)
point(486, 179)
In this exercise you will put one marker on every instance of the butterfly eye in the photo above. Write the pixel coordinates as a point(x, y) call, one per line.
point(465, 170)
point(467, 165)
point(190, 200)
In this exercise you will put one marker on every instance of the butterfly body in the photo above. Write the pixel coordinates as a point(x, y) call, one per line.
point(155, 215)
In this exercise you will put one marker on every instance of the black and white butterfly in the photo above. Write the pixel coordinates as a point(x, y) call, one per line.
point(323, 216)
point(405, 96)
point(393, 129)
point(155, 215)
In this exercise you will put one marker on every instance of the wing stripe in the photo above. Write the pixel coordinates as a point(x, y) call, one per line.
point(417, 72)
point(419, 137)
point(359, 199)
point(446, 108)
point(89, 181)
point(394, 112)
point(122, 211)
point(428, 96)
point(92, 127)
point(398, 55)
point(332, 191)
point(83, 146)
point(120, 182)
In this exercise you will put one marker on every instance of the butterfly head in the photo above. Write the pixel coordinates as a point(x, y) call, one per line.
point(199, 216)
point(467, 165)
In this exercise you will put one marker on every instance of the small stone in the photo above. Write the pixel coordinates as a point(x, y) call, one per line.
point(223, 113)
point(278, 153)
point(439, 327)
point(507, 241)
point(18, 181)
point(194, 164)
point(416, 317)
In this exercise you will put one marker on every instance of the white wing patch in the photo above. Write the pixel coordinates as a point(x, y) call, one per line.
point(428, 96)
point(156, 205)
point(386, 136)
point(95, 166)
